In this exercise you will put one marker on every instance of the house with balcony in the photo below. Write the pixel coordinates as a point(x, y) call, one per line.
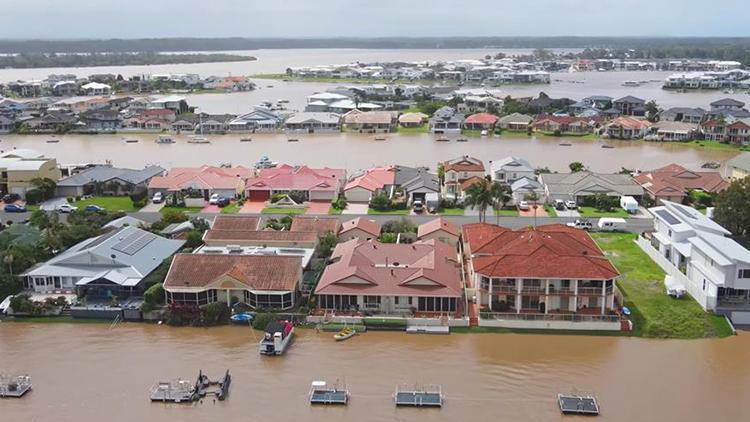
point(457, 171)
point(509, 169)
point(738, 133)
point(626, 127)
point(258, 120)
point(683, 114)
point(630, 106)
point(698, 255)
point(446, 120)
point(313, 122)
point(551, 276)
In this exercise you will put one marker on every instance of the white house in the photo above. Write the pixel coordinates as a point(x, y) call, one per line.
point(696, 253)
point(510, 169)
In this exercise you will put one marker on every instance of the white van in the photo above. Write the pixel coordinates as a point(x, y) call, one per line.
point(629, 204)
point(607, 224)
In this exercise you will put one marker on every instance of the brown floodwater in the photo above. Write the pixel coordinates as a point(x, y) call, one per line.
point(356, 151)
point(90, 373)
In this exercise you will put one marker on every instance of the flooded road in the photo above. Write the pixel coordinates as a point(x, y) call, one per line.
point(357, 151)
point(89, 373)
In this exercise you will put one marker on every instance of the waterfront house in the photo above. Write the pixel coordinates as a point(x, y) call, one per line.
point(68, 88)
point(20, 166)
point(673, 182)
point(554, 124)
point(204, 180)
point(113, 180)
point(509, 169)
point(158, 113)
point(480, 121)
point(412, 119)
point(583, 185)
point(260, 281)
point(626, 127)
point(727, 104)
point(456, 172)
point(697, 254)
point(525, 188)
point(416, 182)
point(182, 126)
point(446, 120)
point(630, 106)
point(363, 186)
point(738, 132)
point(739, 166)
point(50, 122)
point(314, 184)
point(312, 122)
point(440, 229)
point(258, 120)
point(400, 279)
point(683, 114)
point(675, 131)
point(359, 228)
point(538, 273)
point(714, 130)
point(175, 103)
point(98, 120)
point(96, 88)
point(104, 267)
point(515, 122)
point(7, 124)
point(369, 121)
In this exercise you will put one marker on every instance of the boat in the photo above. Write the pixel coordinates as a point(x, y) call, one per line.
point(631, 83)
point(580, 405)
point(418, 396)
point(53, 141)
point(164, 139)
point(276, 338)
point(265, 163)
point(345, 334)
point(198, 140)
point(608, 146)
point(282, 101)
point(242, 317)
point(246, 139)
point(711, 165)
point(185, 391)
point(380, 138)
point(462, 140)
point(292, 140)
point(130, 140)
point(483, 133)
point(14, 386)
point(566, 144)
point(443, 140)
point(321, 393)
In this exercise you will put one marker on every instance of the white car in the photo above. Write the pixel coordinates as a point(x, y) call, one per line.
point(66, 208)
point(523, 205)
point(214, 199)
point(570, 204)
point(158, 198)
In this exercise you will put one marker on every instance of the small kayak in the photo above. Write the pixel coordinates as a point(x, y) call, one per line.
point(242, 317)
point(344, 334)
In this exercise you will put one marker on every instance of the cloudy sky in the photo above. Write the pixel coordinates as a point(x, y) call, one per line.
point(369, 18)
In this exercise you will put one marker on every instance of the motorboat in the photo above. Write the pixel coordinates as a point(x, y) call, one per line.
point(345, 334)
point(265, 163)
point(277, 337)
point(242, 317)
point(198, 139)
point(380, 138)
point(130, 140)
point(292, 140)
point(164, 139)
point(53, 141)
point(246, 139)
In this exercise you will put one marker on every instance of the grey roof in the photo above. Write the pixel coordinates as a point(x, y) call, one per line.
point(176, 228)
point(727, 102)
point(125, 221)
point(599, 98)
point(630, 99)
point(511, 164)
point(107, 173)
point(742, 161)
point(302, 117)
point(587, 183)
point(515, 118)
point(122, 256)
point(412, 179)
point(525, 184)
point(688, 111)
point(690, 218)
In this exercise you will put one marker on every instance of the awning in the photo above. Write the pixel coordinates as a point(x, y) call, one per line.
point(683, 248)
point(664, 240)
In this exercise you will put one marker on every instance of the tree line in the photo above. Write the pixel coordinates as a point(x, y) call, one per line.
point(41, 60)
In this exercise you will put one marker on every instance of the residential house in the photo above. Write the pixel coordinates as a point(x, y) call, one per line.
point(182, 125)
point(258, 120)
point(480, 121)
point(738, 133)
point(515, 122)
point(457, 171)
point(103, 268)
point(739, 166)
point(396, 279)
point(96, 88)
point(509, 169)
point(363, 186)
point(261, 238)
point(673, 182)
point(214, 123)
point(315, 184)
point(550, 123)
point(727, 104)
point(525, 188)
point(175, 103)
point(67, 88)
point(359, 228)
point(18, 167)
point(206, 180)
point(714, 130)
point(412, 119)
point(546, 271)
point(582, 185)
point(630, 106)
point(99, 120)
point(697, 254)
point(627, 127)
point(446, 120)
point(416, 182)
point(319, 225)
point(369, 121)
point(675, 131)
point(7, 124)
point(116, 181)
point(439, 229)
point(683, 114)
point(50, 122)
point(159, 113)
point(312, 122)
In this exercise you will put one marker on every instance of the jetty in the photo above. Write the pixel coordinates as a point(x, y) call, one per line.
point(14, 386)
point(184, 391)
point(580, 405)
point(321, 393)
point(419, 396)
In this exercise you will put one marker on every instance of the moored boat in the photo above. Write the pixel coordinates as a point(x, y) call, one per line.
point(246, 139)
point(345, 334)
point(164, 139)
point(14, 386)
point(265, 163)
point(130, 140)
point(53, 141)
point(198, 140)
point(276, 338)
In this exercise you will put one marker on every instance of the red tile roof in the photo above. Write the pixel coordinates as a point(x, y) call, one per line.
point(373, 179)
point(207, 177)
point(387, 269)
point(551, 251)
point(368, 226)
point(259, 236)
point(302, 178)
point(464, 163)
point(675, 180)
point(482, 118)
point(236, 222)
point(319, 225)
point(470, 181)
point(435, 225)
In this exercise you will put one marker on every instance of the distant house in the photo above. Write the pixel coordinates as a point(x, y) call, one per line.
point(673, 182)
point(359, 228)
point(714, 130)
point(446, 120)
point(20, 166)
point(683, 114)
point(369, 121)
point(96, 88)
point(175, 103)
point(509, 169)
point(727, 104)
point(99, 120)
point(117, 180)
point(739, 166)
point(50, 122)
point(311, 122)
point(439, 229)
point(182, 126)
point(7, 124)
point(630, 106)
point(214, 123)
point(260, 238)
point(562, 124)
point(258, 120)
point(738, 132)
point(159, 113)
point(206, 180)
point(104, 267)
point(515, 122)
point(675, 131)
point(627, 127)
point(412, 119)
point(480, 121)
point(581, 185)
point(457, 171)
point(525, 188)
point(315, 184)
point(415, 182)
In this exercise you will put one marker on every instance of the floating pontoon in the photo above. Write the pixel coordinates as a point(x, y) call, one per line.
point(184, 391)
point(14, 386)
point(419, 396)
point(580, 405)
point(321, 393)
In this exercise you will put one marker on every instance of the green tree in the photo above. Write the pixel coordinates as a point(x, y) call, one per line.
point(576, 166)
point(501, 195)
point(652, 111)
point(732, 209)
point(39, 219)
point(480, 197)
point(194, 239)
point(45, 185)
point(380, 201)
point(326, 244)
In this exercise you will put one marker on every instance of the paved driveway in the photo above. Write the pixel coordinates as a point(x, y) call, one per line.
point(211, 209)
point(568, 213)
point(540, 212)
point(151, 207)
point(51, 204)
point(253, 207)
point(356, 209)
point(318, 207)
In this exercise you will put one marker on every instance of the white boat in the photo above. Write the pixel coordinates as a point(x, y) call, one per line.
point(198, 140)
point(130, 140)
point(53, 141)
point(631, 83)
point(265, 163)
point(164, 139)
point(483, 133)
point(345, 334)
point(276, 338)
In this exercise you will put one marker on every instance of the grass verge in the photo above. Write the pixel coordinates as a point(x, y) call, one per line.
point(232, 208)
point(288, 211)
point(110, 203)
point(592, 212)
point(371, 211)
point(451, 211)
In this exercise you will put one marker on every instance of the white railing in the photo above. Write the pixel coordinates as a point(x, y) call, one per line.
point(549, 317)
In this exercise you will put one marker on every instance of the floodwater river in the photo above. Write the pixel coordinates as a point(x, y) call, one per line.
point(357, 151)
point(88, 372)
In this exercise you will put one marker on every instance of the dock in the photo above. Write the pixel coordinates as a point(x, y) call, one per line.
point(184, 391)
point(321, 393)
point(428, 329)
point(419, 396)
point(14, 386)
point(580, 405)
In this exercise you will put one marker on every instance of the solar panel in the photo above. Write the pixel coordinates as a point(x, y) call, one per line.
point(668, 217)
point(686, 212)
point(134, 243)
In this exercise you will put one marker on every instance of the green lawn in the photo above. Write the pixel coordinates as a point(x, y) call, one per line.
point(507, 213)
point(289, 211)
point(424, 128)
point(232, 208)
point(451, 211)
point(391, 212)
point(550, 210)
point(334, 211)
point(654, 314)
point(110, 203)
point(180, 209)
point(592, 212)
point(472, 133)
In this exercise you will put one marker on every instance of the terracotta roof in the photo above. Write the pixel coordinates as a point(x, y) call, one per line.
point(368, 226)
point(236, 222)
point(196, 271)
point(464, 163)
point(551, 251)
point(260, 236)
point(482, 118)
point(424, 268)
point(373, 179)
point(302, 178)
point(470, 181)
point(319, 225)
point(675, 180)
point(435, 225)
point(206, 176)
point(369, 117)
point(632, 123)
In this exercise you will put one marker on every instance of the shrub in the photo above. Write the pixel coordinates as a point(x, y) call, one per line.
point(171, 217)
point(262, 319)
point(700, 199)
point(194, 239)
point(215, 313)
point(402, 225)
point(34, 196)
point(380, 202)
point(388, 237)
point(154, 295)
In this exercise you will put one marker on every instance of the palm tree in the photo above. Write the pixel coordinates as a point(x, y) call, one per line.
point(501, 194)
point(479, 196)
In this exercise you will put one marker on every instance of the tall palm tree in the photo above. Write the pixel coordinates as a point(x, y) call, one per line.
point(479, 196)
point(500, 194)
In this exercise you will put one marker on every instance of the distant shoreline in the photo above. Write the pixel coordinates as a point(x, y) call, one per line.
point(39, 60)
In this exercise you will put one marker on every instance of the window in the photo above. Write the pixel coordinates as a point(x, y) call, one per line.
point(743, 273)
point(704, 284)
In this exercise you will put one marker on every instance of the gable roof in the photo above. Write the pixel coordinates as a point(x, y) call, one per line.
point(319, 225)
point(511, 164)
point(373, 179)
point(208, 177)
point(464, 163)
point(481, 118)
point(676, 180)
point(727, 102)
point(435, 225)
point(515, 118)
point(255, 272)
point(107, 173)
point(630, 99)
point(588, 183)
point(366, 225)
point(236, 222)
point(301, 178)
point(260, 236)
point(740, 161)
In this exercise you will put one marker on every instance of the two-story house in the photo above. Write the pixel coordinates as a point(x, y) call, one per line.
point(510, 169)
point(456, 172)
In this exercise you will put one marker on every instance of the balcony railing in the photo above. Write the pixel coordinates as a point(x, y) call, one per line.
point(591, 290)
point(504, 290)
point(549, 317)
point(533, 289)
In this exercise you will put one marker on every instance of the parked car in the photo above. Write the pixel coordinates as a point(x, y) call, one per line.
point(158, 198)
point(559, 205)
point(11, 198)
point(14, 208)
point(582, 224)
point(214, 199)
point(523, 205)
point(94, 208)
point(222, 202)
point(570, 204)
point(65, 208)
point(418, 206)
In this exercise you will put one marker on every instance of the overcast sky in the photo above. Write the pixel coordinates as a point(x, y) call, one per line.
point(370, 18)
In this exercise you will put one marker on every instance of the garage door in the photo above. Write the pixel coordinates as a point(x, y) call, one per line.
point(259, 195)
